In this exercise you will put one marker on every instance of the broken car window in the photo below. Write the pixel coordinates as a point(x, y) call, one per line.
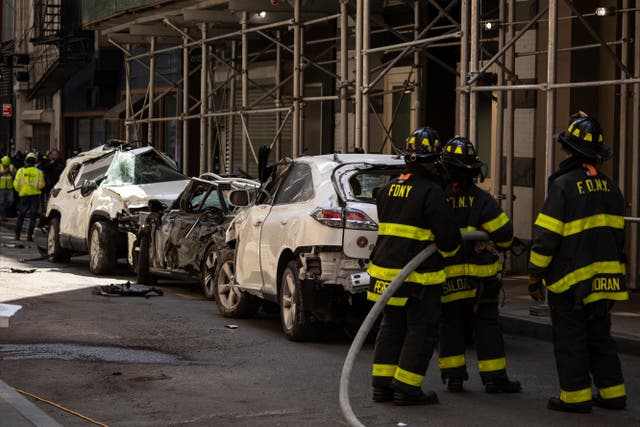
point(297, 186)
point(144, 168)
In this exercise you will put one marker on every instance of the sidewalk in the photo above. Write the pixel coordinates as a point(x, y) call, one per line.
point(17, 411)
point(517, 320)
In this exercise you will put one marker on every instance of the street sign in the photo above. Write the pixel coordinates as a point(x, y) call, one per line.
point(7, 110)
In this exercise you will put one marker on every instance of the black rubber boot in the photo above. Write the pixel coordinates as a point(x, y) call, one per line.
point(455, 384)
point(555, 404)
point(404, 399)
point(616, 403)
point(382, 394)
point(503, 385)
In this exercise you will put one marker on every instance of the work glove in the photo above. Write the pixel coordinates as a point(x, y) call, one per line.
point(535, 289)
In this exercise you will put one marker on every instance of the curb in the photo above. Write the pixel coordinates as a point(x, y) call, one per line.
point(516, 325)
point(25, 408)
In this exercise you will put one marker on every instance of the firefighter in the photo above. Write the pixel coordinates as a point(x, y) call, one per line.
point(29, 183)
point(578, 256)
point(412, 214)
point(7, 173)
point(470, 295)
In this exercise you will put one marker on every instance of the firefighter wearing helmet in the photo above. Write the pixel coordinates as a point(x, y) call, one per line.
point(470, 295)
point(412, 215)
point(578, 256)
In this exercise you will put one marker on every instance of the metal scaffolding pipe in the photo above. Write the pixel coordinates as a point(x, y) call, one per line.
point(417, 63)
point(127, 99)
point(278, 84)
point(185, 107)
point(152, 88)
point(245, 86)
point(473, 67)
point(551, 101)
point(571, 49)
point(232, 107)
point(320, 20)
point(358, 92)
point(463, 97)
point(635, 160)
point(624, 99)
point(496, 172)
point(344, 78)
point(412, 43)
point(366, 40)
point(203, 99)
point(295, 137)
point(510, 116)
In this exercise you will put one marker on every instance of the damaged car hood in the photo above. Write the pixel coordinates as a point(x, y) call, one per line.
point(138, 196)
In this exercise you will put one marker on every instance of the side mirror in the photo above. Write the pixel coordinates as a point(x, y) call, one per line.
point(88, 187)
point(156, 205)
point(239, 198)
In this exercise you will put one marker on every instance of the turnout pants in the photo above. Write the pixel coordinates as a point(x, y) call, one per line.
point(405, 342)
point(583, 346)
point(481, 314)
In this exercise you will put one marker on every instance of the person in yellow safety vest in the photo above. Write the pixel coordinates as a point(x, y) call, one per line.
point(578, 255)
point(7, 174)
point(471, 293)
point(412, 214)
point(29, 183)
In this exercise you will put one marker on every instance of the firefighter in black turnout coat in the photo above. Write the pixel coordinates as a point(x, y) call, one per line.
point(578, 255)
point(412, 214)
point(472, 289)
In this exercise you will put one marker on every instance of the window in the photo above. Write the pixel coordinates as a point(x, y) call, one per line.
point(364, 186)
point(94, 170)
point(297, 186)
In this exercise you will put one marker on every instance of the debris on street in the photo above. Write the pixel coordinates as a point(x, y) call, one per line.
point(127, 290)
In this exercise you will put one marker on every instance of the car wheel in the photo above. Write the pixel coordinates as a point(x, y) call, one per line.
point(143, 275)
point(55, 252)
point(231, 301)
point(208, 272)
point(102, 248)
point(297, 324)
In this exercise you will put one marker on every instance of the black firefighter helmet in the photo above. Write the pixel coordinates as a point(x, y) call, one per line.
point(423, 145)
point(584, 138)
point(460, 159)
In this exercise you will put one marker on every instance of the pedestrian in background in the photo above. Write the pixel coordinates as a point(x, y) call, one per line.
point(29, 182)
point(471, 293)
point(412, 214)
point(7, 175)
point(578, 255)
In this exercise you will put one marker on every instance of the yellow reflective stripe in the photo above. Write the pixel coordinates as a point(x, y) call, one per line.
point(601, 220)
point(492, 364)
point(613, 392)
point(450, 253)
point(382, 370)
point(468, 228)
point(496, 223)
point(451, 361)
point(539, 260)
point(584, 273)
point(475, 270)
point(399, 301)
point(388, 274)
point(597, 296)
point(505, 245)
point(454, 296)
point(577, 396)
point(406, 231)
point(549, 223)
point(408, 377)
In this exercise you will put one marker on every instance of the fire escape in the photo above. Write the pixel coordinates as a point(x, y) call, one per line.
point(61, 47)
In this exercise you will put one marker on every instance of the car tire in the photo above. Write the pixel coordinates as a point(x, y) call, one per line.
point(231, 301)
point(55, 251)
point(143, 275)
point(208, 273)
point(102, 248)
point(297, 323)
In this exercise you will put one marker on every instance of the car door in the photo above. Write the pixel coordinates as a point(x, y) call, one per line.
point(282, 223)
point(249, 225)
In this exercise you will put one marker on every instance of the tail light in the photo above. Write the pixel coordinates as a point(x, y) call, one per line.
point(354, 219)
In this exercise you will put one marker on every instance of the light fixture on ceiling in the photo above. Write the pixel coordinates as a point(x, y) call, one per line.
point(490, 25)
point(605, 11)
point(262, 14)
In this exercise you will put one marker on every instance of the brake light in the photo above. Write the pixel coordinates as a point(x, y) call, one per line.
point(355, 219)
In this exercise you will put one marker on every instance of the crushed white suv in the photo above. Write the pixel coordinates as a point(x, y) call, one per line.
point(305, 242)
point(91, 207)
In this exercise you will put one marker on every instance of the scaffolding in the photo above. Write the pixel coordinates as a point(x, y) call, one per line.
point(225, 34)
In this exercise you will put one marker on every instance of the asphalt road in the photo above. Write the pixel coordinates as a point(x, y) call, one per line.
point(172, 360)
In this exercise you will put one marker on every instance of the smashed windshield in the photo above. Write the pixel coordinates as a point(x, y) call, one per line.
point(129, 168)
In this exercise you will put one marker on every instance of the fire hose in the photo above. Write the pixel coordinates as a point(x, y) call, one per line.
point(367, 324)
